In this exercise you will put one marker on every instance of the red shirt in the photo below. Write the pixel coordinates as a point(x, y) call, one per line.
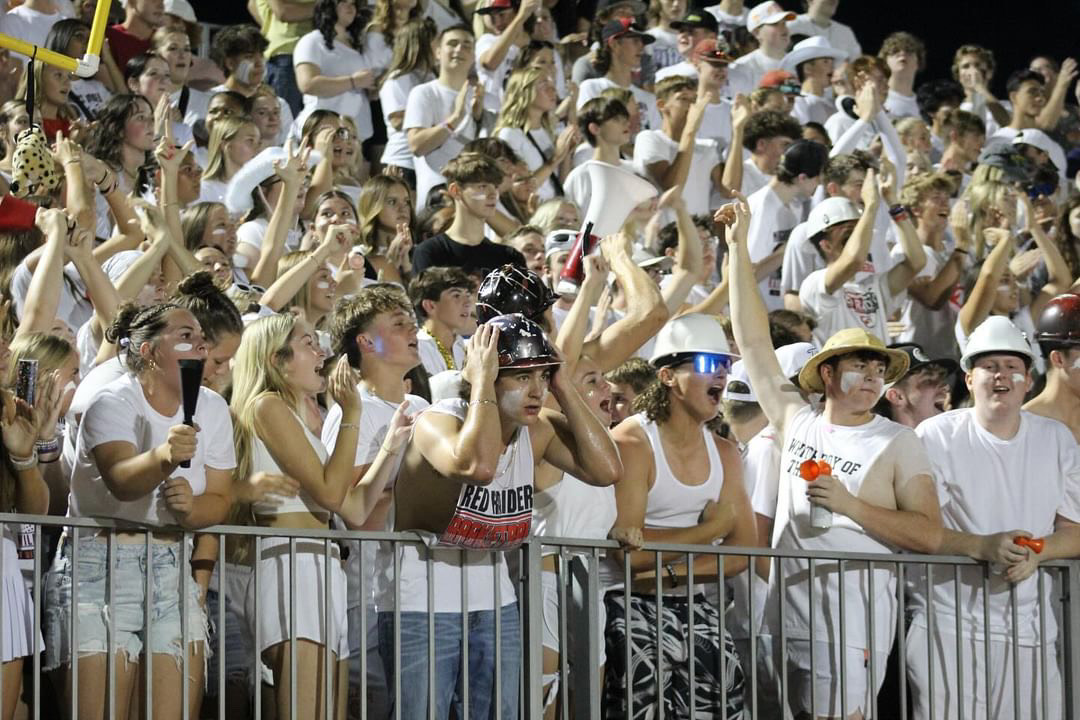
point(124, 45)
point(50, 126)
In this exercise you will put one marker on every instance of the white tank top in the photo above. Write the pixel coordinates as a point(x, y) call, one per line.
point(672, 503)
point(262, 460)
point(574, 509)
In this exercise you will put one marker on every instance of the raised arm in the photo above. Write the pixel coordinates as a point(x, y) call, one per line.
point(468, 452)
point(733, 166)
point(571, 335)
point(494, 55)
point(291, 173)
point(1048, 117)
point(645, 311)
point(278, 427)
point(978, 305)
point(688, 253)
point(580, 444)
point(901, 274)
point(750, 323)
point(857, 246)
point(366, 493)
point(1059, 277)
point(43, 295)
point(292, 280)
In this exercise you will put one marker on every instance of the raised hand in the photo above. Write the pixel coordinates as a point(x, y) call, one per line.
point(293, 168)
point(482, 357)
point(343, 387)
point(400, 429)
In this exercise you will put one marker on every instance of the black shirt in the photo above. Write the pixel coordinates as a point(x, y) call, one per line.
point(441, 251)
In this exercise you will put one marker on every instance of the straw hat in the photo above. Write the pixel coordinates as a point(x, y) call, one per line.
point(847, 341)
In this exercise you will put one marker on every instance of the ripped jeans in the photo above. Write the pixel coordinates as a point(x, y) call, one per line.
point(127, 609)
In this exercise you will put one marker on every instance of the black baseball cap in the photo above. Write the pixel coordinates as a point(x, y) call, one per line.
point(624, 27)
point(805, 157)
point(697, 19)
point(918, 359)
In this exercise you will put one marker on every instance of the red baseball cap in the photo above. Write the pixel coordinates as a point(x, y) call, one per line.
point(710, 51)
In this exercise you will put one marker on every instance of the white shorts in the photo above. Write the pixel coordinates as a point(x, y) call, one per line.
point(17, 620)
point(945, 694)
point(274, 602)
point(826, 678)
point(549, 583)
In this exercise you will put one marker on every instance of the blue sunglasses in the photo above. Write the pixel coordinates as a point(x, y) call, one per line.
point(709, 363)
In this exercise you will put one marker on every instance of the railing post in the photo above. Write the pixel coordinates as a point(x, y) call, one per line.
point(1070, 595)
point(533, 635)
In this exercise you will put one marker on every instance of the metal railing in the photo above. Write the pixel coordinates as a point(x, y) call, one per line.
point(1058, 585)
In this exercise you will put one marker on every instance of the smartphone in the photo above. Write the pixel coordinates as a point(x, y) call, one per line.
point(26, 380)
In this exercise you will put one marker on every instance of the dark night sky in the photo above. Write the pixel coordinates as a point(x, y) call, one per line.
point(1014, 30)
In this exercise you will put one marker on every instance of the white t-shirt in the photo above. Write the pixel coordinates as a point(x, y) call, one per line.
point(899, 106)
point(839, 35)
point(929, 328)
point(728, 21)
point(761, 476)
point(751, 68)
point(442, 16)
point(665, 51)
point(74, 306)
point(432, 359)
point(813, 108)
point(716, 125)
point(213, 191)
point(374, 421)
point(771, 223)
point(336, 62)
point(654, 146)
point(378, 52)
point(119, 412)
point(31, 26)
point(92, 94)
point(253, 231)
point(989, 485)
point(753, 179)
point(493, 80)
point(394, 96)
point(650, 116)
point(864, 302)
point(429, 105)
point(526, 149)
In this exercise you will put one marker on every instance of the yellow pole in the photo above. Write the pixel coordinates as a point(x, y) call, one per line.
point(97, 29)
point(24, 48)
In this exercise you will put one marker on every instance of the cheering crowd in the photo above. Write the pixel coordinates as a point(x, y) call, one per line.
point(526, 268)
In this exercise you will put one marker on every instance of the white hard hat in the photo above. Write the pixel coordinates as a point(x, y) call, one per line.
point(690, 333)
point(829, 212)
point(996, 334)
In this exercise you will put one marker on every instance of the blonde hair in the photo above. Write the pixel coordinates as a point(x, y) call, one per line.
point(264, 346)
point(50, 351)
point(223, 131)
point(519, 97)
point(373, 195)
point(65, 111)
point(988, 191)
point(546, 216)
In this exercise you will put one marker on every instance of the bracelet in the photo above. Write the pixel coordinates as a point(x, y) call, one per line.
point(72, 162)
point(104, 177)
point(671, 575)
point(962, 251)
point(897, 210)
point(482, 402)
point(354, 426)
point(46, 447)
point(388, 451)
point(26, 463)
point(449, 128)
point(352, 82)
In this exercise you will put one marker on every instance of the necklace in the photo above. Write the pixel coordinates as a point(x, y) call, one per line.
point(447, 356)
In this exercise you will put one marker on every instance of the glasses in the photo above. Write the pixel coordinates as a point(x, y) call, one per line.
point(709, 363)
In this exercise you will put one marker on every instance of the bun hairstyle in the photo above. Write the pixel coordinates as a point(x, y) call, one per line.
point(135, 325)
point(215, 312)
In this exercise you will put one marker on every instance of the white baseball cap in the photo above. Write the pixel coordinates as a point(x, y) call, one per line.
point(829, 212)
point(767, 13)
point(791, 358)
point(182, 9)
point(811, 48)
point(1037, 138)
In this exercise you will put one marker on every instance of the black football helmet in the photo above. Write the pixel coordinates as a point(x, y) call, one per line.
point(511, 289)
point(522, 342)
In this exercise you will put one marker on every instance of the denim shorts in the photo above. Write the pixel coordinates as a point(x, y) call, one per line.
point(127, 608)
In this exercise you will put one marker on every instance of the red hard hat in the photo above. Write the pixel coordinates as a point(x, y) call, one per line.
point(1059, 323)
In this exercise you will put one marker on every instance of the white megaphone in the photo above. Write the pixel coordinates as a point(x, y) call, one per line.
point(614, 193)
